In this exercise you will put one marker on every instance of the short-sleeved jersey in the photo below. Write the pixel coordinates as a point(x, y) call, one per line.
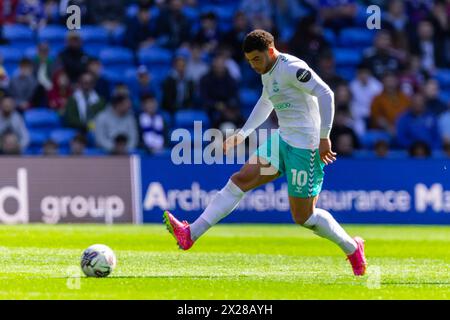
point(288, 86)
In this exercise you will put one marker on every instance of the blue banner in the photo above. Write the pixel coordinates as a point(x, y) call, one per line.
point(390, 191)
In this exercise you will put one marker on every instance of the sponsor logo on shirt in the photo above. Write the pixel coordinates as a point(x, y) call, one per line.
point(283, 105)
point(303, 75)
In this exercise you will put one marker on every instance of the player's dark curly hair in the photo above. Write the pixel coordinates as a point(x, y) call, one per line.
point(259, 40)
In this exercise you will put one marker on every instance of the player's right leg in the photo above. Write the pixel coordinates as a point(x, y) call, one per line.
point(253, 173)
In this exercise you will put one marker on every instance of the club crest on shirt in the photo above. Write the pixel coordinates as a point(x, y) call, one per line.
point(275, 87)
point(303, 75)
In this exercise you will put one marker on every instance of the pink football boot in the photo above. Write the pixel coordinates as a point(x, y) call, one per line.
point(180, 230)
point(357, 258)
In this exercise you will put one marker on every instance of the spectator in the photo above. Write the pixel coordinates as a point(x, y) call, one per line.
point(151, 124)
point(446, 149)
point(145, 85)
point(412, 76)
point(327, 71)
point(60, 92)
point(338, 14)
point(235, 37)
point(11, 120)
point(430, 48)
point(73, 59)
point(308, 42)
point(178, 90)
point(4, 79)
point(43, 69)
point(78, 145)
point(229, 118)
point(218, 89)
point(363, 89)
point(120, 147)
point(8, 11)
point(388, 105)
point(417, 124)
point(84, 105)
point(108, 13)
point(258, 12)
point(114, 121)
point(396, 21)
point(10, 145)
point(141, 31)
point(342, 126)
point(31, 13)
point(232, 66)
point(173, 28)
point(381, 148)
point(102, 86)
point(419, 149)
point(196, 67)
point(444, 125)
point(382, 57)
point(344, 145)
point(208, 35)
point(51, 11)
point(434, 104)
point(23, 84)
point(50, 148)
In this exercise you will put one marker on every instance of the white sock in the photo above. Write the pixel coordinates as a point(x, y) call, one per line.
point(223, 203)
point(324, 225)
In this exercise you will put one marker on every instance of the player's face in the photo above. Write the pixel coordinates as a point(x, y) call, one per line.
point(259, 60)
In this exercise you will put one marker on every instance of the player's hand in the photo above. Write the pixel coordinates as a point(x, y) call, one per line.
point(232, 141)
point(326, 154)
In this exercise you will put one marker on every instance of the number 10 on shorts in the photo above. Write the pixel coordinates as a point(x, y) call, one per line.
point(299, 178)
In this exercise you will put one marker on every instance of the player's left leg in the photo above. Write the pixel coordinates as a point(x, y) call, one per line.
point(304, 172)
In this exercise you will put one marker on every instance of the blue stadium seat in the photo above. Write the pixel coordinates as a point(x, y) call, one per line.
point(38, 137)
point(93, 49)
point(443, 77)
point(42, 118)
point(186, 118)
point(445, 96)
point(94, 152)
point(347, 57)
point(52, 34)
point(94, 34)
point(31, 52)
point(348, 73)
point(249, 97)
point(356, 37)
point(18, 33)
point(330, 36)
point(10, 54)
point(369, 139)
point(63, 136)
point(116, 55)
point(155, 55)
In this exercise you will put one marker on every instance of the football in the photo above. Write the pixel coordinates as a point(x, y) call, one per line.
point(98, 261)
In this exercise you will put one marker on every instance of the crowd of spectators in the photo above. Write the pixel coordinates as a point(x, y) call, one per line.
point(390, 99)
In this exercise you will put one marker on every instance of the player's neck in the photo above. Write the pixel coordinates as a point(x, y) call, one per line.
point(273, 60)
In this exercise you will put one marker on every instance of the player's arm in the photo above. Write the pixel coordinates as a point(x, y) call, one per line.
point(307, 80)
point(259, 114)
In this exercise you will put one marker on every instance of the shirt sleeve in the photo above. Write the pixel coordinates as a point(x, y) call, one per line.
point(305, 79)
point(260, 113)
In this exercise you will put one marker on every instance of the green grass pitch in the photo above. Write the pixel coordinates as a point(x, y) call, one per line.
point(229, 262)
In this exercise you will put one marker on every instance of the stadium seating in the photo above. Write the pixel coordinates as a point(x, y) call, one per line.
point(11, 54)
point(443, 77)
point(42, 118)
point(53, 34)
point(356, 38)
point(63, 136)
point(369, 139)
point(94, 34)
point(347, 57)
point(116, 56)
point(155, 55)
point(186, 118)
point(37, 138)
